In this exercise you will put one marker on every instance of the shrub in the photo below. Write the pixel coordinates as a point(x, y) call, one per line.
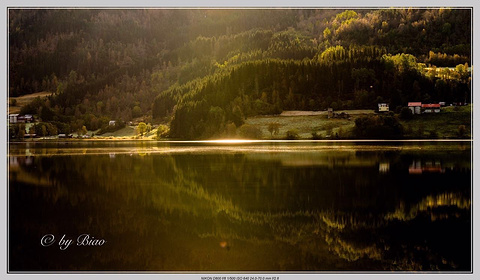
point(273, 128)
point(420, 130)
point(292, 135)
point(250, 131)
point(340, 133)
point(316, 136)
point(406, 113)
point(141, 128)
point(230, 130)
point(162, 131)
point(378, 127)
point(461, 131)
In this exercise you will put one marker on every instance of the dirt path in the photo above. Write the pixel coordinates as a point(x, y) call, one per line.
point(318, 113)
point(302, 113)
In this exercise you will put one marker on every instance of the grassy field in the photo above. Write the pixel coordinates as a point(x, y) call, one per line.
point(442, 125)
point(127, 132)
point(24, 100)
point(304, 124)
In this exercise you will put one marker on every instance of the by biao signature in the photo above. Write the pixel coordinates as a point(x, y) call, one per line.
point(82, 240)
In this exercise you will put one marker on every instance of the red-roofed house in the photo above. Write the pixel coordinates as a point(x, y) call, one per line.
point(415, 107)
point(431, 108)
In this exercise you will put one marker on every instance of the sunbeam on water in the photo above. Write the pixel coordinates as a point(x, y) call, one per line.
point(231, 141)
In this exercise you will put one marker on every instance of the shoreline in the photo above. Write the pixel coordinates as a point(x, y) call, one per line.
point(239, 141)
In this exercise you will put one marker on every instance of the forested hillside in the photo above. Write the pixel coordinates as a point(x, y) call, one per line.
point(204, 70)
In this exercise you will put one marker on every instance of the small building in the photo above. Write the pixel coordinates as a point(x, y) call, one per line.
point(431, 108)
point(64, 135)
point(330, 113)
point(17, 118)
point(13, 118)
point(383, 107)
point(28, 118)
point(111, 123)
point(415, 107)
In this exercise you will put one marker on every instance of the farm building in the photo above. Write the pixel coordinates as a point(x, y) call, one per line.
point(330, 113)
point(17, 118)
point(415, 107)
point(13, 118)
point(431, 108)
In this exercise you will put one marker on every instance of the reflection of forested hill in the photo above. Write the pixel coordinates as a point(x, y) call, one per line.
point(225, 65)
point(307, 217)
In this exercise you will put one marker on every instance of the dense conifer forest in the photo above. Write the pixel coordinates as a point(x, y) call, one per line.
point(201, 71)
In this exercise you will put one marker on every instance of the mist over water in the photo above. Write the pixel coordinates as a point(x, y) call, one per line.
point(256, 206)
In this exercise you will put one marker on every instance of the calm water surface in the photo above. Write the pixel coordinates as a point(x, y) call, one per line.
point(306, 206)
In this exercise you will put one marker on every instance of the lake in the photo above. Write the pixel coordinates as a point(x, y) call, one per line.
point(300, 206)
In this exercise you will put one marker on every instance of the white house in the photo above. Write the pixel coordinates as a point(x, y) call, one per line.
point(383, 107)
point(13, 118)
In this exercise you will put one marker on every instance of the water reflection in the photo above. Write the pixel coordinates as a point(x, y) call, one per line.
point(246, 207)
point(384, 167)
